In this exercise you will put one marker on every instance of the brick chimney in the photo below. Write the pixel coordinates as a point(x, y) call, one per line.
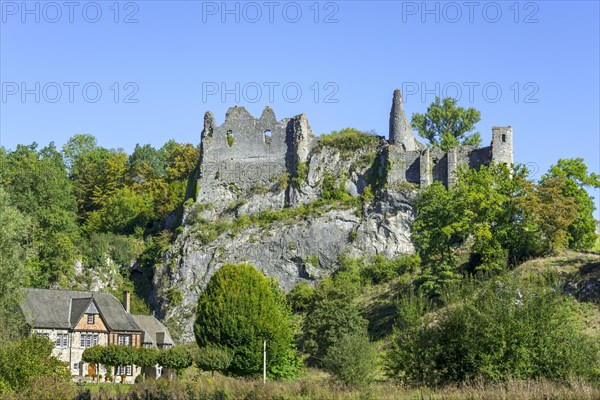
point(127, 301)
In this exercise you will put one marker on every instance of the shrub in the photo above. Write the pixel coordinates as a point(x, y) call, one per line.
point(177, 358)
point(24, 360)
point(241, 308)
point(380, 269)
point(348, 140)
point(213, 359)
point(351, 359)
point(508, 329)
point(331, 315)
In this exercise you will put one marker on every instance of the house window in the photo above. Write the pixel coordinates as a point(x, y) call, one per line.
point(88, 340)
point(90, 319)
point(44, 335)
point(124, 340)
point(503, 138)
point(62, 340)
point(124, 370)
point(76, 366)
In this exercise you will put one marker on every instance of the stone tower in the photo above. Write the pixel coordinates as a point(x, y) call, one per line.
point(401, 134)
point(502, 144)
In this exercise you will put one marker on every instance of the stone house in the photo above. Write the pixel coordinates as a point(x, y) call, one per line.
point(154, 335)
point(76, 320)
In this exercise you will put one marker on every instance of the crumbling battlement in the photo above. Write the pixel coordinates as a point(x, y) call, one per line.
point(245, 152)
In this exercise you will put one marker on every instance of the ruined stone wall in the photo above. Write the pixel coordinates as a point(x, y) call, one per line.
point(430, 165)
point(245, 152)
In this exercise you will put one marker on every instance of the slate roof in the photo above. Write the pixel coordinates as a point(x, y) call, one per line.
point(155, 332)
point(62, 309)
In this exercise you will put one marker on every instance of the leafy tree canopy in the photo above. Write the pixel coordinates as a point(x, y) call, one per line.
point(446, 126)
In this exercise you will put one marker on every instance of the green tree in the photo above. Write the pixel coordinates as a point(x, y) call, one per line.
point(145, 357)
point(23, 360)
point(39, 187)
point(299, 297)
point(145, 163)
point(97, 175)
point(177, 358)
point(445, 125)
point(582, 232)
point(509, 328)
point(76, 146)
point(113, 356)
point(331, 315)
point(488, 215)
point(15, 232)
point(93, 355)
point(125, 211)
point(239, 309)
point(179, 160)
point(351, 360)
point(213, 359)
point(552, 210)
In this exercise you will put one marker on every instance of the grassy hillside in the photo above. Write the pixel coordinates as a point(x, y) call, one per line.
point(579, 273)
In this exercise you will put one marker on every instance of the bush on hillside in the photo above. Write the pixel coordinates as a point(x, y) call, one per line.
point(507, 329)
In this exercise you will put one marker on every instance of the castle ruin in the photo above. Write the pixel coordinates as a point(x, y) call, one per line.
point(245, 152)
point(414, 162)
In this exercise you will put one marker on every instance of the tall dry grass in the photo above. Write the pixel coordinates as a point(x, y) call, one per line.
point(224, 388)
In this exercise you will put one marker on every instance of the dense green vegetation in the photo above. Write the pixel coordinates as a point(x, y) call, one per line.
point(348, 140)
point(505, 327)
point(23, 360)
point(239, 310)
point(87, 204)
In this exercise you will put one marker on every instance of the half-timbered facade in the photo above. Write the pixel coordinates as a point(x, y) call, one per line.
point(76, 320)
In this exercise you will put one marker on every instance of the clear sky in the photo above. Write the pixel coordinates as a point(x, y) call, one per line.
point(146, 71)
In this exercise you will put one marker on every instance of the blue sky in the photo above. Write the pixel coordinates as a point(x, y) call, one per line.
point(161, 65)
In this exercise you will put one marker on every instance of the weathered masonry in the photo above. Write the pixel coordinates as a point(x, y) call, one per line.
point(245, 152)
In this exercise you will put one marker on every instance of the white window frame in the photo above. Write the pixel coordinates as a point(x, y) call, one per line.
point(62, 341)
point(124, 340)
point(126, 370)
point(88, 340)
point(91, 317)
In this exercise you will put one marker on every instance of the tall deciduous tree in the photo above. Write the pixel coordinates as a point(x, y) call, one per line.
point(38, 185)
point(241, 308)
point(15, 231)
point(582, 232)
point(494, 216)
point(445, 125)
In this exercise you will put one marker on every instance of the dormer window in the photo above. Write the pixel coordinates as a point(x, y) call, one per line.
point(90, 319)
